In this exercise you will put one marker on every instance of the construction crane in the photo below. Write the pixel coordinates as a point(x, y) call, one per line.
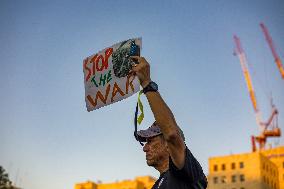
point(274, 53)
point(269, 128)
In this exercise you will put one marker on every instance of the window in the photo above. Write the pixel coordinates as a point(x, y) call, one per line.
point(234, 178)
point(215, 167)
point(283, 165)
point(233, 165)
point(223, 179)
point(242, 178)
point(215, 180)
point(223, 167)
point(241, 165)
point(263, 166)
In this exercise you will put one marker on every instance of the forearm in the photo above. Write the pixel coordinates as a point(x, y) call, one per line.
point(162, 113)
point(166, 121)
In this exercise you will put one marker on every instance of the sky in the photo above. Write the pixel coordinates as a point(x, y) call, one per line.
point(47, 137)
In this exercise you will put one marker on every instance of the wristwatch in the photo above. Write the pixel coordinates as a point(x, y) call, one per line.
point(152, 86)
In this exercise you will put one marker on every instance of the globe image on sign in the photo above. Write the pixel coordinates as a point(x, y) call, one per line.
point(121, 57)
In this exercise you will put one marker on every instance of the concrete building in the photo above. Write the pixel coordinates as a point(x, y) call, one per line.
point(145, 182)
point(276, 155)
point(257, 170)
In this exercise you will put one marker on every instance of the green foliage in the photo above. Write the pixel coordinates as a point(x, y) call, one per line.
point(5, 183)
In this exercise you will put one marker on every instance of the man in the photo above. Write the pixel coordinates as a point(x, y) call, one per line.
point(165, 148)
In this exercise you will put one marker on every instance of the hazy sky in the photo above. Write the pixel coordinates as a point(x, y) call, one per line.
point(49, 140)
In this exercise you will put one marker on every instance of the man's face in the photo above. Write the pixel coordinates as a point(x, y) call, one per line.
point(156, 151)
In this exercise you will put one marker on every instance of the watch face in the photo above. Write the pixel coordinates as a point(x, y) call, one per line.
point(154, 86)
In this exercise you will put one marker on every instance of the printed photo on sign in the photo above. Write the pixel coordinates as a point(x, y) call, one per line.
point(106, 75)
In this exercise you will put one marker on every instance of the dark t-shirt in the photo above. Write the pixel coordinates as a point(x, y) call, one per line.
point(191, 176)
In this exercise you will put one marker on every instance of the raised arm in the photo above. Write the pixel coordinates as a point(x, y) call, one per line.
point(162, 113)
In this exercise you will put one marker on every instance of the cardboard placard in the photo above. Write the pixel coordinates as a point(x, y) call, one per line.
point(106, 75)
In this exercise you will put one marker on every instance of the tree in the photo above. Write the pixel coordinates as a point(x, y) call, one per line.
point(5, 183)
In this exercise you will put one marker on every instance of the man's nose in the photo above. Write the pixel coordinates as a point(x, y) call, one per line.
point(146, 147)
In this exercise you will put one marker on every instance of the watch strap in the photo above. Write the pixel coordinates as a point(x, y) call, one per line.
point(152, 86)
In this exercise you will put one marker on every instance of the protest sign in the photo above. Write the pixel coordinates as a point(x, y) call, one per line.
point(106, 75)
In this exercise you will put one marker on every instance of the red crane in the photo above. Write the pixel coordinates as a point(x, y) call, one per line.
point(274, 53)
point(269, 128)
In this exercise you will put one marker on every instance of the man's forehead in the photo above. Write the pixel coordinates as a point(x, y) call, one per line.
point(154, 138)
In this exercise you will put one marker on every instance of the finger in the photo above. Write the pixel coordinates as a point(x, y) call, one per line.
point(131, 72)
point(133, 64)
point(134, 67)
point(135, 58)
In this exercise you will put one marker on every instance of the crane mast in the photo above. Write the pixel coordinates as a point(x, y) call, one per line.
point(272, 121)
point(273, 50)
point(240, 53)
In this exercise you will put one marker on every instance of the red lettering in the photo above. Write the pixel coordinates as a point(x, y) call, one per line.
point(107, 55)
point(102, 63)
point(129, 83)
point(87, 69)
point(100, 96)
point(115, 90)
point(93, 60)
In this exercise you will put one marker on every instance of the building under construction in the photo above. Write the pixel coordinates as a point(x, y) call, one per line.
point(262, 168)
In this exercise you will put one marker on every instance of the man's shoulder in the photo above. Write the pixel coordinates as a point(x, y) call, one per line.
point(191, 173)
point(161, 183)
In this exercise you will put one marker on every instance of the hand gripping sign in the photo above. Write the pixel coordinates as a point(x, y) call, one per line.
point(106, 75)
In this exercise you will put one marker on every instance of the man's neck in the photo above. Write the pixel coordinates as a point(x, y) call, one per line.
point(163, 167)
